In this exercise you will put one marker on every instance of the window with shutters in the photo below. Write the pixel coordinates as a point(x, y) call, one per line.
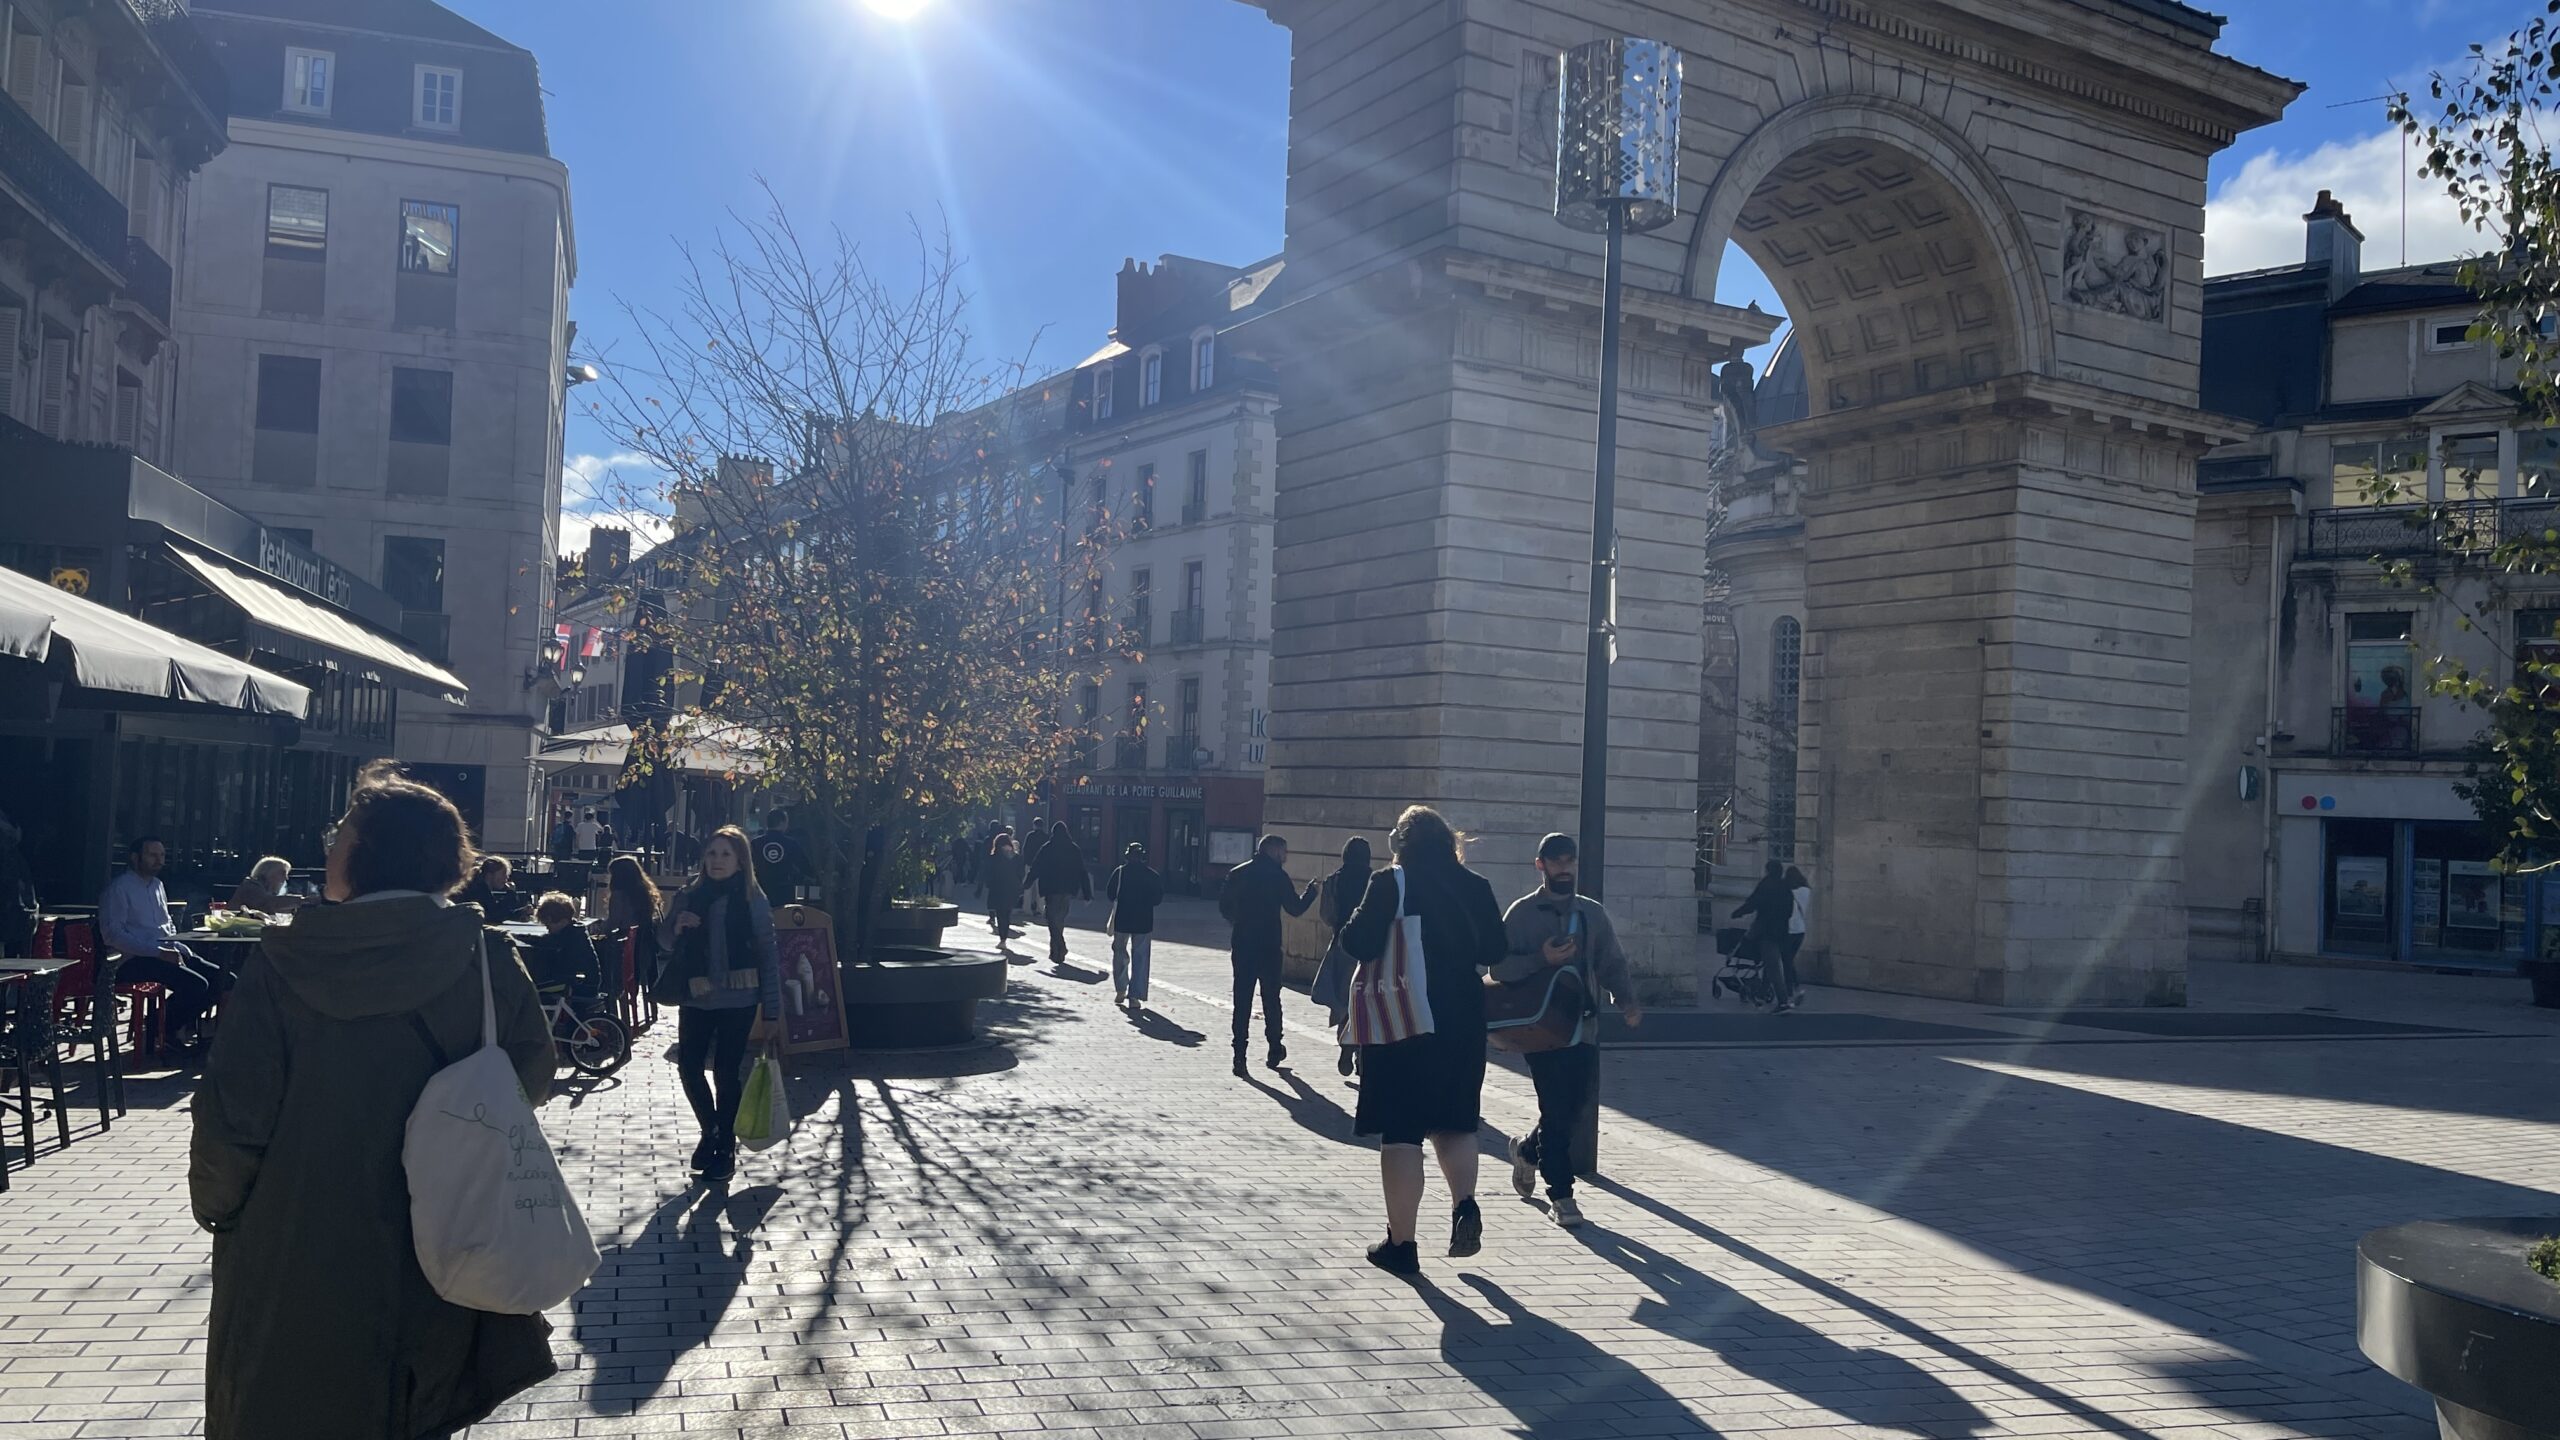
point(71, 116)
point(11, 318)
point(26, 66)
point(128, 411)
point(53, 380)
point(142, 196)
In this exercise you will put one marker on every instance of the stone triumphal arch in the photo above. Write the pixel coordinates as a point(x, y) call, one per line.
point(1983, 217)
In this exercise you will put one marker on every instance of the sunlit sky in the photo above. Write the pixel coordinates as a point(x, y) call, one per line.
point(1058, 137)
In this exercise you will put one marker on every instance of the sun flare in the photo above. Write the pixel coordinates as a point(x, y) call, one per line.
point(896, 9)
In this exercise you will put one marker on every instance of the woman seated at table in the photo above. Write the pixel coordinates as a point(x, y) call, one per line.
point(264, 891)
point(493, 890)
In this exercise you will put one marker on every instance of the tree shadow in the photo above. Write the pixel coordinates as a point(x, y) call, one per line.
point(662, 1294)
point(1863, 1386)
point(1315, 1112)
point(1155, 1026)
point(1556, 1383)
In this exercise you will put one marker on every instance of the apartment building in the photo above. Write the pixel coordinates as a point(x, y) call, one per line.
point(376, 311)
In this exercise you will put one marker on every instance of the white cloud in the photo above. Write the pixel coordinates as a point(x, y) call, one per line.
point(2254, 220)
point(621, 489)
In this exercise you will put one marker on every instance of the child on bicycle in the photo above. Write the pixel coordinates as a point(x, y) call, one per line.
point(562, 960)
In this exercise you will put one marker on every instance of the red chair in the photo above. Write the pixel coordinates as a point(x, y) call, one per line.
point(85, 1011)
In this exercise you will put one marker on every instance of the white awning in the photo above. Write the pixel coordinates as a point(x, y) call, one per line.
point(277, 608)
point(111, 650)
point(698, 754)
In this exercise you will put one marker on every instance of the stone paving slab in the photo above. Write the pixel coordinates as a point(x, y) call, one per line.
point(1091, 1229)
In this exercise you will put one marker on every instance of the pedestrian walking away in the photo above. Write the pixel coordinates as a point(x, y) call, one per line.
point(1547, 928)
point(1341, 895)
point(322, 1321)
point(1058, 872)
point(1770, 905)
point(133, 919)
point(781, 865)
point(1256, 895)
point(1134, 891)
point(1799, 920)
point(726, 979)
point(1428, 1086)
point(1001, 880)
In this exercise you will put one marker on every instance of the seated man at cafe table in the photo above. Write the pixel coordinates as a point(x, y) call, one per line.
point(133, 920)
point(264, 890)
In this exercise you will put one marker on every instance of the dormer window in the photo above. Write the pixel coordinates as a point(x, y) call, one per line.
point(439, 98)
point(1151, 378)
point(1204, 360)
point(1102, 392)
point(309, 76)
point(2453, 334)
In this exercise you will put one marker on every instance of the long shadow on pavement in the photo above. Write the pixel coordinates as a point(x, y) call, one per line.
point(681, 1273)
point(1313, 1110)
point(1551, 1378)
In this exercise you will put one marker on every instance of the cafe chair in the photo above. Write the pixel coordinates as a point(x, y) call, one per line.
point(27, 1040)
point(85, 1011)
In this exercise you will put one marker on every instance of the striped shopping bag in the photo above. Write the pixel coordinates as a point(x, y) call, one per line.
point(1391, 995)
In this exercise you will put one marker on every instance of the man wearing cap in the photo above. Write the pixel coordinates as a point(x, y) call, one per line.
point(1134, 891)
point(1548, 927)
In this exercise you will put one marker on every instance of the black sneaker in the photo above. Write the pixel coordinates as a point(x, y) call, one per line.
point(1349, 1062)
point(701, 1160)
point(1241, 1070)
point(1466, 1229)
point(1395, 1259)
point(1279, 1052)
point(724, 1162)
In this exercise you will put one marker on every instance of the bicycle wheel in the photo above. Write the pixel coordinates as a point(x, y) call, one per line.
point(598, 1046)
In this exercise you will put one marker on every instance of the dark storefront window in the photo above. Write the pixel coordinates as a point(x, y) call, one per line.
point(76, 568)
point(2362, 886)
point(2461, 908)
point(413, 574)
point(221, 806)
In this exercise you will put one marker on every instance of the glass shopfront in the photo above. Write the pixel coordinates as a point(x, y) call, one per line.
point(2425, 892)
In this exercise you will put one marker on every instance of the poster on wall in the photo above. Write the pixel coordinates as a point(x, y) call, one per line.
point(2378, 675)
point(2426, 903)
point(2471, 895)
point(2364, 883)
point(812, 986)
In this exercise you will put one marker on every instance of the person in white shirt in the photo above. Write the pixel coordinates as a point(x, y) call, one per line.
point(133, 920)
point(1799, 919)
point(586, 829)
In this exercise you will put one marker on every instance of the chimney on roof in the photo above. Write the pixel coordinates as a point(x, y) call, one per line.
point(2332, 242)
point(608, 550)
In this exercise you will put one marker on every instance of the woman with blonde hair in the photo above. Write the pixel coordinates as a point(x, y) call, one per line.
point(725, 979)
point(1429, 1085)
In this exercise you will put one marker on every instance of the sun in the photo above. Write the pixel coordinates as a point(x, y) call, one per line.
point(897, 9)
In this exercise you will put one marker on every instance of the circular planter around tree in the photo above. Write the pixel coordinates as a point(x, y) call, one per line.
point(913, 927)
point(917, 997)
point(2452, 1307)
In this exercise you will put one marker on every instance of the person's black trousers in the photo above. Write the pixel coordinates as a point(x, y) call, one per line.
point(1785, 955)
point(1563, 1079)
point(716, 1039)
point(1257, 971)
point(192, 983)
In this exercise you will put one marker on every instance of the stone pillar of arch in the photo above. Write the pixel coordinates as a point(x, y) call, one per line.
point(1984, 220)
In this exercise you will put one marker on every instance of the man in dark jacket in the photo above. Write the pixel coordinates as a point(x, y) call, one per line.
point(1770, 905)
point(781, 865)
point(1256, 894)
point(1134, 892)
point(1058, 873)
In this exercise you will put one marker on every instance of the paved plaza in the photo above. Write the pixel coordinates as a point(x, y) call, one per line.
point(1092, 1229)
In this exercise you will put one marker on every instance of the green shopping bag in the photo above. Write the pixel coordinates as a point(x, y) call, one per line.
point(764, 1111)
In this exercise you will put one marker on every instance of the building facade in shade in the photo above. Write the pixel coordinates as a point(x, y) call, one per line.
point(2320, 815)
point(1173, 451)
point(107, 112)
point(377, 310)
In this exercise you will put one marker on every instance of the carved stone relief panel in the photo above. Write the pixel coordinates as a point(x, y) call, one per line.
point(1536, 116)
point(2115, 268)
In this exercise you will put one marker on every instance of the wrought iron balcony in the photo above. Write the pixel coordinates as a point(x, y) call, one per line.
point(2373, 730)
point(1188, 627)
point(1182, 753)
point(1129, 752)
point(2406, 531)
point(36, 166)
point(146, 279)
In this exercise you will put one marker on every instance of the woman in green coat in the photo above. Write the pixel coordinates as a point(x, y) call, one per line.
point(324, 1328)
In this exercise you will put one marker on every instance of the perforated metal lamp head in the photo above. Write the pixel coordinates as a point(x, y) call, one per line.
point(1618, 135)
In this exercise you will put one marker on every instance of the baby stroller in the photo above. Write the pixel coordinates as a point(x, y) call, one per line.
point(1745, 975)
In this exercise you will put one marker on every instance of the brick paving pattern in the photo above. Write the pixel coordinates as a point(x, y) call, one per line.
point(1091, 1229)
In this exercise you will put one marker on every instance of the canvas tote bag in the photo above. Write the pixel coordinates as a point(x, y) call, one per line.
point(1391, 995)
point(495, 1226)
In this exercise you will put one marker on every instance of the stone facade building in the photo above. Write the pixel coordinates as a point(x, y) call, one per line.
point(377, 316)
point(1173, 448)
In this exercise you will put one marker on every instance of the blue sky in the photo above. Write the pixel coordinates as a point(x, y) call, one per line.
point(1057, 137)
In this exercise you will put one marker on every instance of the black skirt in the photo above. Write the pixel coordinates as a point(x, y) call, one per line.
point(1428, 1085)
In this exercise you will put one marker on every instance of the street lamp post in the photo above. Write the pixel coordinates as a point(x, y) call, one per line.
point(1617, 174)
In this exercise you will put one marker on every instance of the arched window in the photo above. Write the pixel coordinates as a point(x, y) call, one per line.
point(1786, 694)
point(1204, 361)
point(1150, 378)
point(1102, 392)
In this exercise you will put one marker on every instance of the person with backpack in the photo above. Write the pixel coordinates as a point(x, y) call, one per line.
point(1771, 904)
point(1135, 889)
point(1058, 872)
point(322, 1318)
point(1428, 1085)
point(1546, 929)
point(1255, 896)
